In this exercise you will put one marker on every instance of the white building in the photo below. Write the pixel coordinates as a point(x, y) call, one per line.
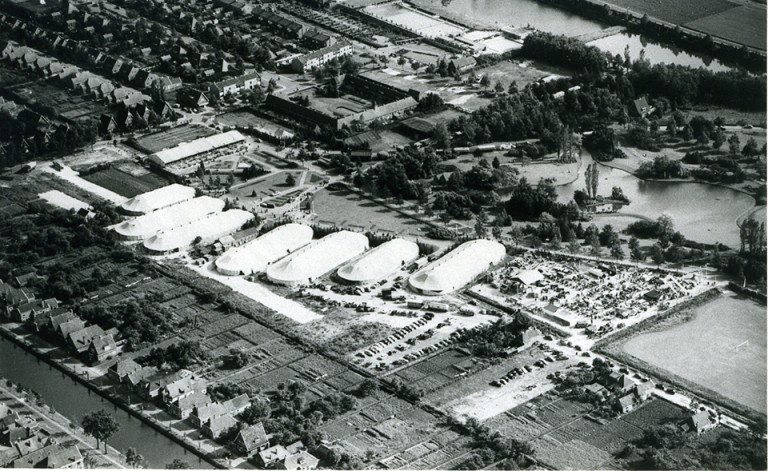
point(179, 214)
point(257, 254)
point(377, 264)
point(458, 267)
point(156, 199)
point(208, 229)
point(198, 148)
point(318, 258)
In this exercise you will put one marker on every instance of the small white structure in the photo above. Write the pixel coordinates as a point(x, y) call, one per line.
point(64, 201)
point(384, 260)
point(208, 229)
point(257, 254)
point(157, 199)
point(169, 217)
point(458, 267)
point(318, 258)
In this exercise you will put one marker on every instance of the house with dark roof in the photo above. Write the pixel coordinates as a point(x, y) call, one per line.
point(699, 422)
point(235, 85)
point(120, 370)
point(102, 348)
point(250, 440)
point(52, 456)
point(216, 426)
point(183, 407)
point(640, 108)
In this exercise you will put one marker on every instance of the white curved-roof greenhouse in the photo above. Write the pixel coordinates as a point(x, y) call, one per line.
point(169, 217)
point(257, 254)
point(156, 199)
point(458, 267)
point(208, 229)
point(318, 258)
point(380, 262)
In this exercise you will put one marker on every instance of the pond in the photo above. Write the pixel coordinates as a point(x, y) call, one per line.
point(655, 52)
point(701, 212)
point(74, 400)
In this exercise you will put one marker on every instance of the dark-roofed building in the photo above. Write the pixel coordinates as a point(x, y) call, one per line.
point(122, 369)
point(315, 59)
point(235, 85)
point(250, 440)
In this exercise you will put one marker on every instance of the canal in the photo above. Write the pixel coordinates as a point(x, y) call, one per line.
point(74, 400)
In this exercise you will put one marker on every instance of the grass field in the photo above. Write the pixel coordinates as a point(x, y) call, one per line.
point(506, 72)
point(744, 25)
point(125, 184)
point(722, 348)
point(677, 12)
point(352, 210)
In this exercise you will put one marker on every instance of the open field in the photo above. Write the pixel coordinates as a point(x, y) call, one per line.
point(125, 184)
point(743, 25)
point(157, 141)
point(674, 12)
point(506, 72)
point(721, 348)
point(348, 209)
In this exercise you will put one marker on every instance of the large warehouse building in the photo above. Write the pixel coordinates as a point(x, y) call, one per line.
point(208, 229)
point(156, 199)
point(458, 267)
point(198, 148)
point(257, 254)
point(179, 214)
point(318, 258)
point(380, 262)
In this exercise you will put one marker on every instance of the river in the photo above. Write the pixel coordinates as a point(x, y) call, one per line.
point(701, 212)
point(74, 400)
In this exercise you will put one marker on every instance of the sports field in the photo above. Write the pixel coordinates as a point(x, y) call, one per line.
point(414, 20)
point(723, 348)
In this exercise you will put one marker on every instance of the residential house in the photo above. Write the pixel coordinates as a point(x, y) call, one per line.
point(644, 390)
point(180, 388)
point(219, 425)
point(317, 39)
point(72, 325)
point(122, 369)
point(300, 460)
point(52, 456)
point(461, 64)
point(193, 99)
point(150, 387)
point(307, 62)
point(81, 339)
point(136, 378)
point(640, 108)
point(699, 422)
point(102, 348)
point(251, 439)
point(183, 407)
point(59, 319)
point(625, 403)
point(235, 85)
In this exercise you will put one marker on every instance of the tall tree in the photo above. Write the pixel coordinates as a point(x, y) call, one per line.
point(101, 426)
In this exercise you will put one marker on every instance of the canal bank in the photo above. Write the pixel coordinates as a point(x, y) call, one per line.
point(33, 368)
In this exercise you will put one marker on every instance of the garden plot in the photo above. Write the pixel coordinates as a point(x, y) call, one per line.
point(73, 177)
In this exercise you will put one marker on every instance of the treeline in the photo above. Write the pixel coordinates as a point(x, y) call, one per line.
point(688, 86)
point(564, 51)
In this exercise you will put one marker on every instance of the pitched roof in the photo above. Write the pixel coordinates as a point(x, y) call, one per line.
point(253, 436)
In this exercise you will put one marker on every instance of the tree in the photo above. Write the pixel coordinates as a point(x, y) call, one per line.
point(485, 81)
point(657, 254)
point(591, 179)
point(750, 148)
point(101, 426)
point(617, 252)
point(134, 458)
point(290, 180)
point(634, 250)
point(480, 229)
point(718, 139)
point(734, 144)
point(499, 87)
point(594, 241)
point(441, 136)
point(574, 246)
point(178, 464)
point(496, 163)
point(367, 387)
point(687, 132)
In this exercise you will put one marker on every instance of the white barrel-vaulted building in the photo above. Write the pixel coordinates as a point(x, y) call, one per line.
point(147, 225)
point(378, 263)
point(318, 258)
point(156, 199)
point(458, 267)
point(209, 229)
point(257, 254)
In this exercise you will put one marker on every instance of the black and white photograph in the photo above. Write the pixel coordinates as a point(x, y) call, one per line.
point(383, 234)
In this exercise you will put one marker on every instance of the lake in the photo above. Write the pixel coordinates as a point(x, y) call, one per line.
point(73, 400)
point(723, 348)
point(701, 212)
point(655, 52)
point(518, 13)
